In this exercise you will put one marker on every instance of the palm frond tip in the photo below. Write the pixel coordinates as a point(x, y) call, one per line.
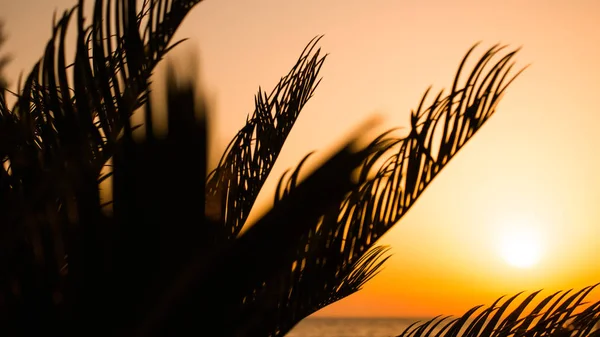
point(251, 154)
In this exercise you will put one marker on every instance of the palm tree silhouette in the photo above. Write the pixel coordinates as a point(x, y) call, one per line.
point(169, 257)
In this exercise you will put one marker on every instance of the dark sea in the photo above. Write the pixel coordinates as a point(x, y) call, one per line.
point(350, 327)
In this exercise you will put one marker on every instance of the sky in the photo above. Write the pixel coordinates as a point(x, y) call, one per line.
point(533, 166)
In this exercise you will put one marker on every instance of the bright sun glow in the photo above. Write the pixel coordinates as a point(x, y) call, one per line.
point(520, 245)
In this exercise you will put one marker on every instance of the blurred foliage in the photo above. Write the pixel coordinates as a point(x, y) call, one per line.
point(4, 59)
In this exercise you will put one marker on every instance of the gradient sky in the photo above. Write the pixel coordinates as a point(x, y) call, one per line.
point(534, 163)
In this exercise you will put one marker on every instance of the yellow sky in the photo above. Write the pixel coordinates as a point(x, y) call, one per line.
point(534, 162)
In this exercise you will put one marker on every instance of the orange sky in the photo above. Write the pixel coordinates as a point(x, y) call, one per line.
point(534, 162)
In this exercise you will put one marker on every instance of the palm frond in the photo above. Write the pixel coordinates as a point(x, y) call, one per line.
point(233, 186)
point(215, 284)
point(555, 315)
point(56, 119)
point(390, 180)
point(54, 142)
point(116, 54)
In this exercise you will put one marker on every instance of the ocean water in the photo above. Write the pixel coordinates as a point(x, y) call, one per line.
point(350, 327)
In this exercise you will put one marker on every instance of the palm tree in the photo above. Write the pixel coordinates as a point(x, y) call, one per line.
point(170, 258)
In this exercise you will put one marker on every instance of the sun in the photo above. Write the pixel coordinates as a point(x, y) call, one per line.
point(520, 245)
